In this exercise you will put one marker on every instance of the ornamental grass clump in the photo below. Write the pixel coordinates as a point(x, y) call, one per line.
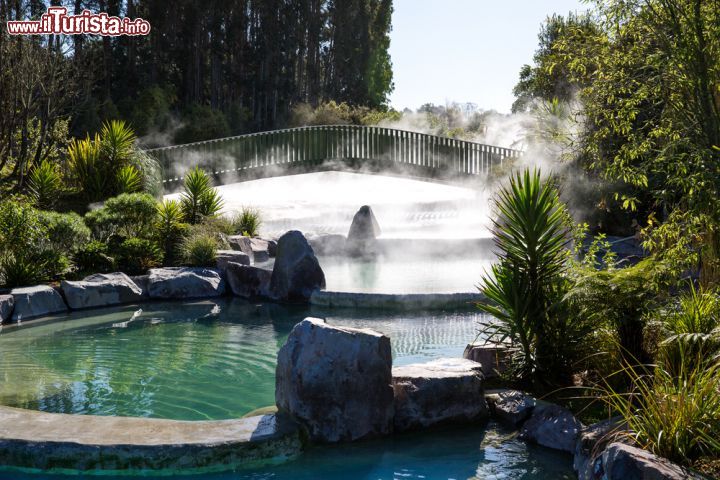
point(674, 414)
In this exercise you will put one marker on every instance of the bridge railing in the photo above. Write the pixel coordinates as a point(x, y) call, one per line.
point(317, 145)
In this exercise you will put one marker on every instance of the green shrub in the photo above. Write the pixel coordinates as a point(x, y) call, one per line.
point(136, 255)
point(21, 271)
point(199, 199)
point(170, 229)
point(691, 327)
point(66, 231)
point(93, 257)
point(21, 230)
point(127, 215)
point(34, 245)
point(526, 286)
point(200, 250)
point(46, 184)
point(247, 222)
point(676, 416)
point(620, 298)
point(109, 164)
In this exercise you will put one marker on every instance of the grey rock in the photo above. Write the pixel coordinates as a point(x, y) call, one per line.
point(552, 426)
point(272, 248)
point(590, 444)
point(494, 358)
point(328, 244)
point(447, 390)
point(185, 282)
point(96, 444)
point(241, 243)
point(100, 290)
point(624, 462)
point(7, 302)
point(363, 233)
point(260, 249)
point(142, 282)
point(36, 301)
point(511, 406)
point(296, 273)
point(336, 381)
point(248, 282)
point(224, 257)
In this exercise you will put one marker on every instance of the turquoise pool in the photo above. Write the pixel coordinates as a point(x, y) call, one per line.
point(205, 360)
point(479, 453)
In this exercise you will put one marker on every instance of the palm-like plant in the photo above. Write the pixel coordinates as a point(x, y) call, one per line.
point(169, 228)
point(88, 170)
point(117, 142)
point(45, 184)
point(199, 199)
point(129, 179)
point(531, 232)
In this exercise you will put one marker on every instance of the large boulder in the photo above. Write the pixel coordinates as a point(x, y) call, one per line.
point(7, 302)
point(185, 282)
point(363, 233)
point(261, 249)
point(552, 426)
point(447, 390)
point(297, 273)
point(336, 381)
point(100, 290)
point(241, 243)
point(36, 301)
point(223, 257)
point(592, 441)
point(624, 462)
point(248, 282)
point(511, 406)
point(494, 358)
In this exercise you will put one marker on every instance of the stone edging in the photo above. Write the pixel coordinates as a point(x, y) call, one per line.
point(60, 443)
point(400, 301)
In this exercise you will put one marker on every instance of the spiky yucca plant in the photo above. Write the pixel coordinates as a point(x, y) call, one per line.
point(530, 234)
point(199, 199)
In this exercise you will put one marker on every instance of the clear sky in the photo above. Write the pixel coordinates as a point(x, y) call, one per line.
point(465, 50)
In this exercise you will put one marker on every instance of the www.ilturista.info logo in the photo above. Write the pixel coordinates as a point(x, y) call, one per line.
point(57, 21)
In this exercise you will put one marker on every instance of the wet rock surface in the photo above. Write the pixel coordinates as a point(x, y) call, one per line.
point(336, 381)
point(87, 443)
point(185, 282)
point(226, 256)
point(36, 301)
point(101, 289)
point(296, 273)
point(248, 282)
point(363, 233)
point(511, 407)
point(552, 426)
point(447, 390)
point(7, 303)
point(624, 462)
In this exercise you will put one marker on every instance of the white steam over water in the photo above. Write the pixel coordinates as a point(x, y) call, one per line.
point(325, 202)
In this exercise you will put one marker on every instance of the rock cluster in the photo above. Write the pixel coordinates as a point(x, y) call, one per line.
point(339, 383)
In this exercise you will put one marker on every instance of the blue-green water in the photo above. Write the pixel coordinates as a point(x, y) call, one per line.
point(216, 359)
point(186, 361)
point(482, 453)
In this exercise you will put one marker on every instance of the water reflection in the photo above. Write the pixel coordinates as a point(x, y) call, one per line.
point(194, 361)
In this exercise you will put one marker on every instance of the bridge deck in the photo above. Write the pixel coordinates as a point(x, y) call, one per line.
point(318, 148)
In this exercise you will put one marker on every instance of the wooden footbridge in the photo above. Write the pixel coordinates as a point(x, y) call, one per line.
point(324, 148)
